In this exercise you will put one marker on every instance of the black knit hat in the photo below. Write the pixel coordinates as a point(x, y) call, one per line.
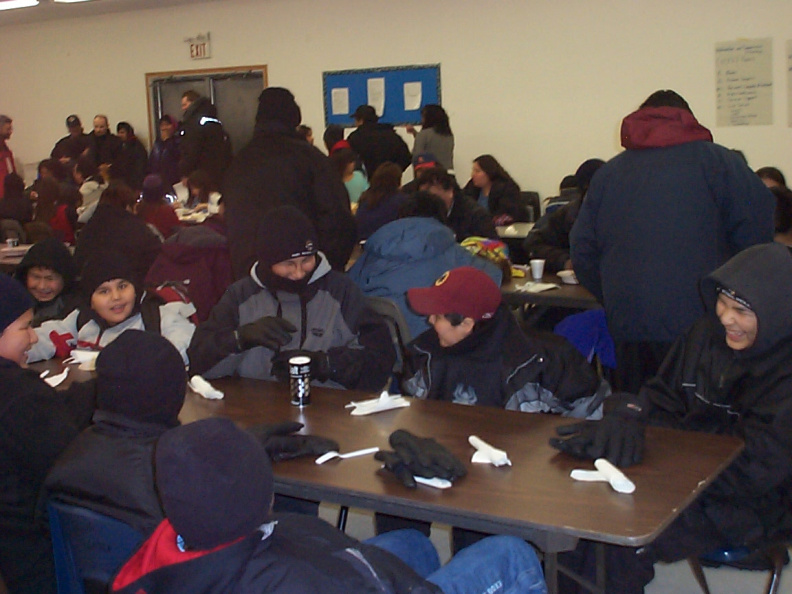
point(104, 266)
point(214, 481)
point(48, 253)
point(286, 233)
point(141, 375)
point(14, 301)
point(277, 103)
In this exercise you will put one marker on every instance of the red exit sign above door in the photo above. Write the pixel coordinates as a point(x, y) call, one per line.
point(200, 46)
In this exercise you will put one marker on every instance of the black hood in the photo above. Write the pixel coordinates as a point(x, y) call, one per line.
point(762, 277)
point(200, 107)
point(49, 253)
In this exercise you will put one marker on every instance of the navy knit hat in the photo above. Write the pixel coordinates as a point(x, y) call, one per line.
point(277, 103)
point(286, 233)
point(141, 375)
point(214, 481)
point(14, 301)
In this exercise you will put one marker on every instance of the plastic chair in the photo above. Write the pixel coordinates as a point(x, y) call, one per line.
point(770, 558)
point(88, 547)
point(397, 325)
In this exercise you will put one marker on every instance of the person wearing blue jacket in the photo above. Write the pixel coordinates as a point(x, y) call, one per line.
point(413, 251)
point(656, 219)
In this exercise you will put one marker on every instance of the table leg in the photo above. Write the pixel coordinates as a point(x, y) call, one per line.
point(551, 572)
point(343, 512)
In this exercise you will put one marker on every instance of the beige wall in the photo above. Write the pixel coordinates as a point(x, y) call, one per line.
point(540, 84)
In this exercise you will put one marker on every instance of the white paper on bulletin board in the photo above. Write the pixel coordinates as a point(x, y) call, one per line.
point(340, 101)
point(744, 79)
point(412, 96)
point(375, 89)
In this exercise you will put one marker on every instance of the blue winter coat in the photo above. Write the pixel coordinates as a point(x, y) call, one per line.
point(411, 252)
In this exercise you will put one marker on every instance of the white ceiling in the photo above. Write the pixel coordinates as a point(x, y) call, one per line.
point(48, 10)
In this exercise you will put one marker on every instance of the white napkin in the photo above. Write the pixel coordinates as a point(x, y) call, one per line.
point(606, 472)
point(534, 287)
point(86, 359)
point(204, 388)
point(384, 402)
point(55, 380)
point(486, 454)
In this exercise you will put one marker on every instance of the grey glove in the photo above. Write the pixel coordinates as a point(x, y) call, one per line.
point(270, 332)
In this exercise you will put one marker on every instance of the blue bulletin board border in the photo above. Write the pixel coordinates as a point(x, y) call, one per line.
point(395, 77)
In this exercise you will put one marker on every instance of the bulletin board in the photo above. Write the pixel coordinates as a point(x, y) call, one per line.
point(396, 93)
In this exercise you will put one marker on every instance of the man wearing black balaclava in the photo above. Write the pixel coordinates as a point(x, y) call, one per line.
point(292, 302)
point(276, 168)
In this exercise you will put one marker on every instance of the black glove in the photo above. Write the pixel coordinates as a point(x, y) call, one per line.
point(269, 332)
point(320, 364)
point(424, 457)
point(397, 466)
point(617, 438)
point(281, 443)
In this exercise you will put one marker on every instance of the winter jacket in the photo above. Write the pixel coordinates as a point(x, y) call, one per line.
point(498, 365)
point(18, 208)
point(550, 241)
point(377, 144)
point(38, 424)
point(294, 553)
point(114, 229)
point(131, 162)
point(164, 161)
point(203, 143)
point(204, 270)
point(70, 147)
point(109, 468)
point(439, 145)
point(50, 253)
point(703, 385)
point(104, 148)
point(658, 217)
point(408, 253)
point(83, 329)
point(369, 218)
point(278, 168)
point(504, 199)
point(163, 218)
point(330, 315)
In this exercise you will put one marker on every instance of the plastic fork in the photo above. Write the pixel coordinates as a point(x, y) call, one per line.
point(332, 455)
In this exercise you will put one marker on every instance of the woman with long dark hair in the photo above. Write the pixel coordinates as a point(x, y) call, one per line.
point(380, 204)
point(493, 188)
point(435, 136)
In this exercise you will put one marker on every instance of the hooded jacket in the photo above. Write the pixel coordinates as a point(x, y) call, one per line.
point(330, 316)
point(203, 143)
point(504, 199)
point(407, 253)
point(660, 216)
point(50, 253)
point(703, 385)
point(499, 365)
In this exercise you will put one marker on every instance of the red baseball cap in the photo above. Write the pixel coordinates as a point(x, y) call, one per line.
point(466, 290)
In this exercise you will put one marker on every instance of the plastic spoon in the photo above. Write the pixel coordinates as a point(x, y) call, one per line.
point(331, 455)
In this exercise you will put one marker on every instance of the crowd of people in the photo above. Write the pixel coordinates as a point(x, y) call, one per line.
point(685, 247)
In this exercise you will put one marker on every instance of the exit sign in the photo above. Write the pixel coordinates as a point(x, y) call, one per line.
point(200, 46)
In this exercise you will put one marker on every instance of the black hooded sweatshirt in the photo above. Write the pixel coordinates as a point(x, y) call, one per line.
point(51, 253)
point(703, 385)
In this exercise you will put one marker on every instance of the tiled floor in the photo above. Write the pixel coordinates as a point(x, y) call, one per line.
point(669, 579)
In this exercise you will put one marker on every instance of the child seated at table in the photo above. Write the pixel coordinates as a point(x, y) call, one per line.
point(38, 424)
point(476, 353)
point(113, 301)
point(219, 535)
point(729, 373)
point(293, 303)
point(47, 270)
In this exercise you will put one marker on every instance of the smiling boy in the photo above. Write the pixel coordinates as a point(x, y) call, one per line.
point(38, 423)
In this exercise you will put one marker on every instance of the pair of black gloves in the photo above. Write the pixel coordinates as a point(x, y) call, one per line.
point(282, 441)
point(272, 333)
point(618, 437)
point(419, 456)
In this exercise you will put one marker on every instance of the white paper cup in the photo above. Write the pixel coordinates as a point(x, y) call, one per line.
point(537, 269)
